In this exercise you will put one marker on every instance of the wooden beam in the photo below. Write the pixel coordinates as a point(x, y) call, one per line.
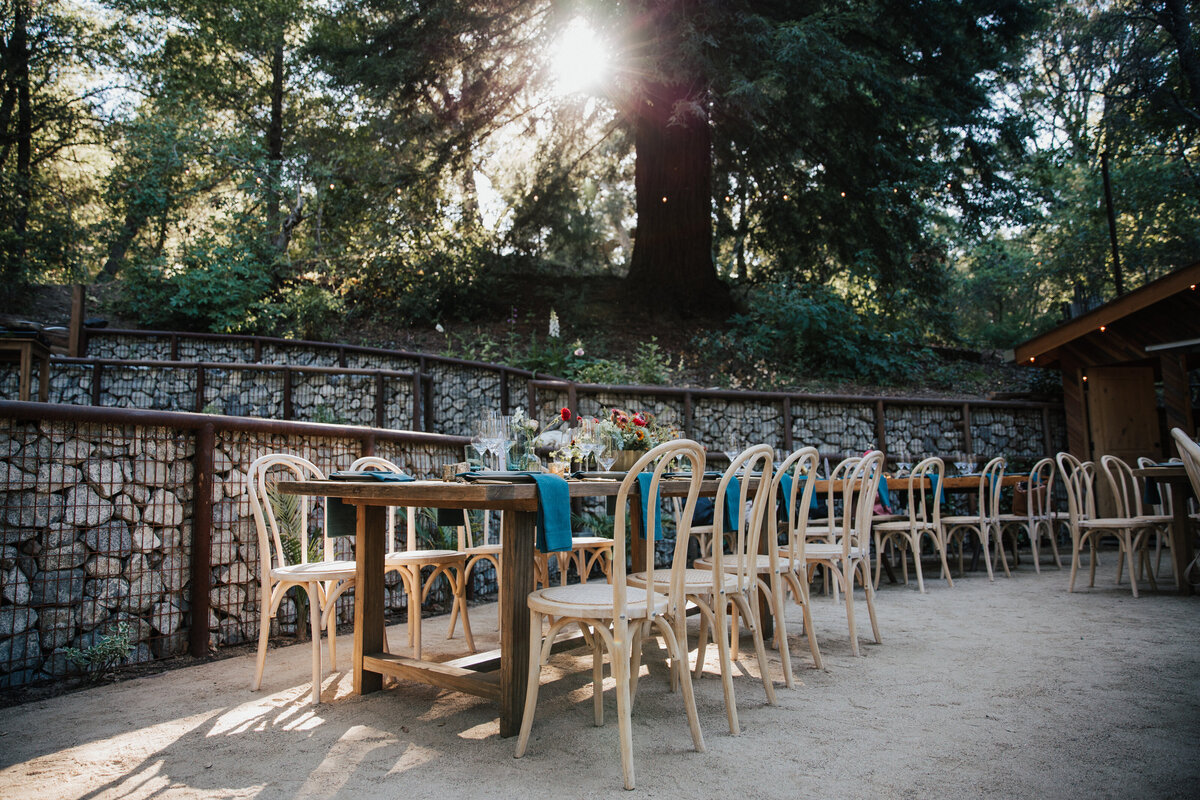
point(481, 684)
point(1153, 292)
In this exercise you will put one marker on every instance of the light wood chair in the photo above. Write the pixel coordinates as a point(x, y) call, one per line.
point(791, 558)
point(849, 558)
point(1036, 521)
point(617, 617)
point(984, 523)
point(1128, 491)
point(924, 521)
point(478, 551)
point(727, 584)
point(1089, 529)
point(1165, 507)
point(324, 580)
point(825, 529)
point(412, 560)
point(1189, 452)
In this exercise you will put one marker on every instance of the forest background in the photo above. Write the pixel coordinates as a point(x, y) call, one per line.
point(783, 192)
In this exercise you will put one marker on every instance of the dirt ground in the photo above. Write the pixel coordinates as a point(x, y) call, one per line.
point(1009, 689)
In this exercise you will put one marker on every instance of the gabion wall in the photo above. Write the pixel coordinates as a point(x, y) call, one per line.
point(96, 530)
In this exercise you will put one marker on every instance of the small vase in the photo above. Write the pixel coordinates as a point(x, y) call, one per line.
point(626, 459)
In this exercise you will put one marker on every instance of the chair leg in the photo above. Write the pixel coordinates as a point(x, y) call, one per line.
point(1129, 560)
point(314, 614)
point(1093, 560)
point(620, 667)
point(985, 544)
point(702, 641)
point(746, 604)
point(781, 637)
point(677, 651)
point(721, 611)
point(1075, 545)
point(265, 611)
point(636, 637)
point(808, 626)
point(460, 600)
point(870, 605)
point(847, 587)
point(535, 673)
point(1054, 546)
point(916, 551)
point(597, 679)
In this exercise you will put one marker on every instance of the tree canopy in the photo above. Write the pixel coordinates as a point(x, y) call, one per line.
point(272, 166)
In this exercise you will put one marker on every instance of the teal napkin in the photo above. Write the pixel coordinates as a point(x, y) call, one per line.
point(733, 499)
point(785, 486)
point(643, 481)
point(553, 512)
point(340, 516)
point(883, 492)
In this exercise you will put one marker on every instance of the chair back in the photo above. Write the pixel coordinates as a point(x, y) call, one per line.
point(991, 481)
point(758, 458)
point(656, 462)
point(1041, 490)
point(803, 466)
point(261, 475)
point(1166, 497)
point(1124, 484)
point(383, 465)
point(924, 508)
point(840, 472)
point(1080, 502)
point(1067, 464)
point(859, 488)
point(1189, 451)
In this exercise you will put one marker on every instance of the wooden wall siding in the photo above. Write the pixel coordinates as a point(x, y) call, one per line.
point(1177, 395)
point(1075, 412)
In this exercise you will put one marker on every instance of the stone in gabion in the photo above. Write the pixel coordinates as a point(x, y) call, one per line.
point(165, 617)
point(112, 537)
point(19, 649)
point(54, 477)
point(228, 599)
point(13, 477)
point(57, 558)
point(164, 509)
point(103, 567)
point(108, 592)
point(16, 620)
point(16, 587)
point(57, 588)
point(86, 508)
point(57, 626)
point(145, 540)
point(30, 510)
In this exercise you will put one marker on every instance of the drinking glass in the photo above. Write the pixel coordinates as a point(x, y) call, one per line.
point(732, 447)
point(480, 448)
point(607, 452)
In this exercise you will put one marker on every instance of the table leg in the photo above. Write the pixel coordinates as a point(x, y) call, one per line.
point(368, 595)
point(1181, 539)
point(516, 576)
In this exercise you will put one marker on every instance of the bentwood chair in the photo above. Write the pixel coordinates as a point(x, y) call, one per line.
point(1164, 507)
point(1128, 491)
point(1089, 529)
point(1037, 520)
point(282, 523)
point(924, 521)
point(849, 558)
point(791, 558)
point(728, 583)
point(478, 551)
point(617, 616)
point(1189, 452)
point(411, 561)
point(825, 529)
point(984, 524)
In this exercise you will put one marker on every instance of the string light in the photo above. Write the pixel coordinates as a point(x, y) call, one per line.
point(843, 194)
point(1102, 327)
point(786, 198)
point(1031, 359)
point(664, 198)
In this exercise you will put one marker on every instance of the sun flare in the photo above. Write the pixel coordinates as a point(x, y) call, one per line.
point(579, 60)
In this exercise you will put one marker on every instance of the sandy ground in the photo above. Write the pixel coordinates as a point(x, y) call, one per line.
point(1011, 689)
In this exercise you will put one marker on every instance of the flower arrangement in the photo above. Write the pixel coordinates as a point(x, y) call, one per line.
point(636, 430)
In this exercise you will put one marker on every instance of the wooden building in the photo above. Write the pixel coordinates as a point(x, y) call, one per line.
point(1116, 358)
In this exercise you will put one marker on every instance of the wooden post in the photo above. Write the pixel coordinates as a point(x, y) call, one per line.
point(380, 401)
point(531, 393)
point(202, 515)
point(689, 416)
point(572, 400)
point(199, 388)
point(787, 424)
point(428, 401)
point(368, 594)
point(1075, 408)
point(287, 393)
point(880, 427)
point(75, 340)
point(966, 426)
point(97, 377)
point(341, 351)
point(416, 400)
point(174, 346)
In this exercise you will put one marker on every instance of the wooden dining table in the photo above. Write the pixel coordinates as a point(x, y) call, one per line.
point(1176, 477)
point(499, 675)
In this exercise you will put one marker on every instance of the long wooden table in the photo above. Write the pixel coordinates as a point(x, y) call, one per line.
point(1181, 542)
point(475, 674)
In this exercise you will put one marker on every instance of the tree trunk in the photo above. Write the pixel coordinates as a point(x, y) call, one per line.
point(275, 143)
point(672, 252)
point(24, 187)
point(119, 246)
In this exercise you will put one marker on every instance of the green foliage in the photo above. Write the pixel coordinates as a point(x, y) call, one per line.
point(108, 651)
point(651, 365)
point(594, 523)
point(810, 332)
point(327, 415)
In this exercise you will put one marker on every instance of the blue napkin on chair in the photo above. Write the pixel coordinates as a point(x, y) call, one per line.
point(884, 497)
point(643, 481)
point(553, 512)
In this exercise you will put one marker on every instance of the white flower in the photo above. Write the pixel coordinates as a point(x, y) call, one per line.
point(439, 328)
point(578, 351)
point(554, 332)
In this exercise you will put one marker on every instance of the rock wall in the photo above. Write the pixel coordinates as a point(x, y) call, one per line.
point(96, 530)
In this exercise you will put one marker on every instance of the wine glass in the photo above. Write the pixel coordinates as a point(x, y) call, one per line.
point(606, 453)
point(492, 432)
point(732, 447)
point(480, 447)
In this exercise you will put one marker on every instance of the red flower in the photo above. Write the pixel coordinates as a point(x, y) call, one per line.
point(639, 420)
point(565, 414)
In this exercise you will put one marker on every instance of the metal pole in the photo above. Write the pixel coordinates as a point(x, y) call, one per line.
point(202, 542)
